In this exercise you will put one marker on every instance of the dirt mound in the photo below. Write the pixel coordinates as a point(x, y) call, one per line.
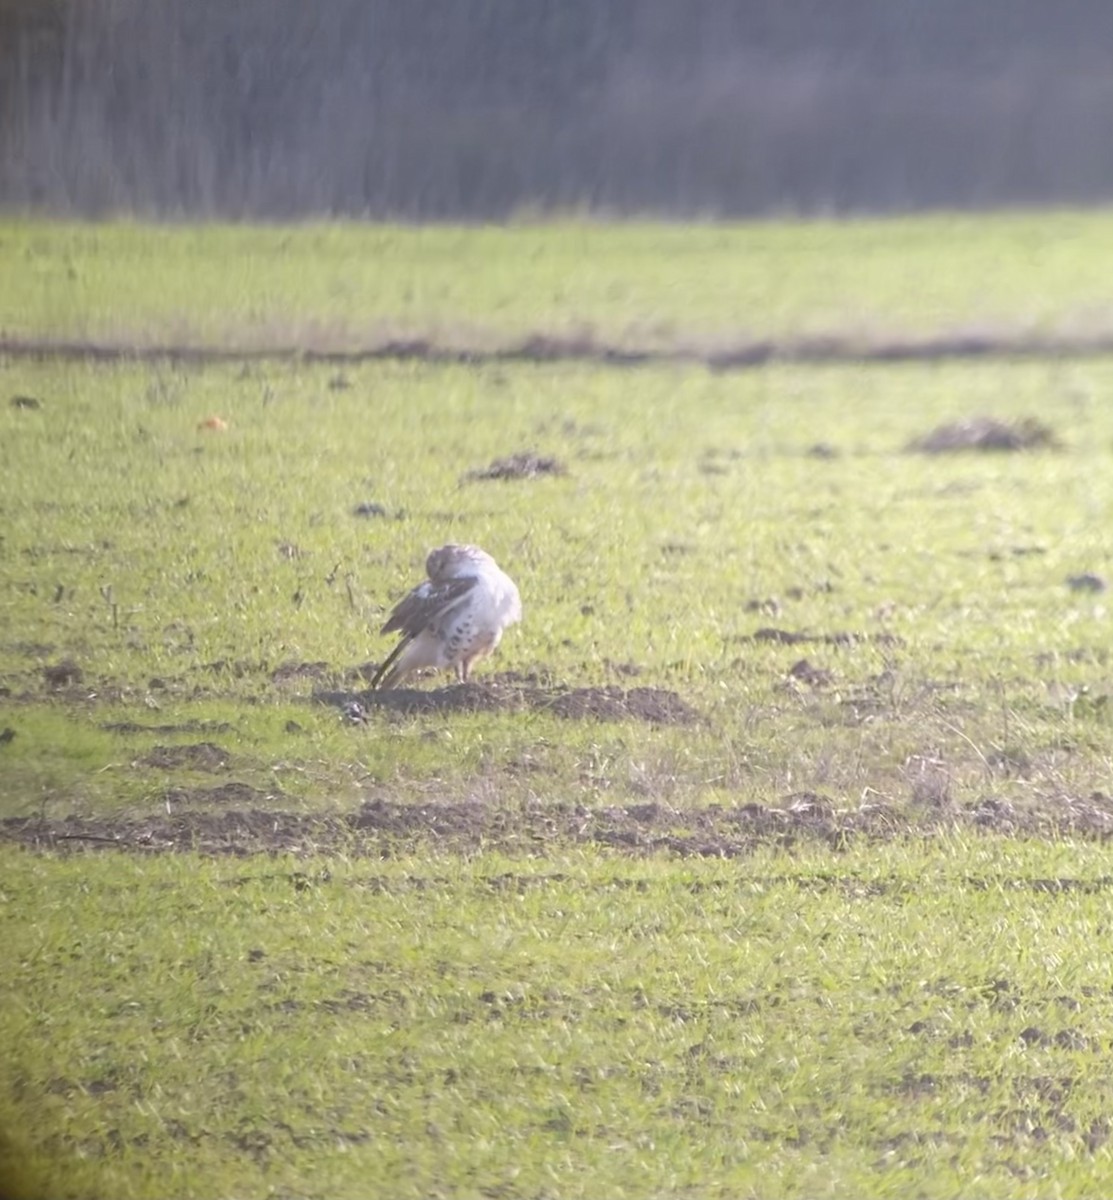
point(807, 673)
point(985, 433)
point(525, 465)
point(241, 831)
point(60, 675)
point(653, 705)
point(198, 756)
point(1086, 582)
point(465, 697)
point(226, 794)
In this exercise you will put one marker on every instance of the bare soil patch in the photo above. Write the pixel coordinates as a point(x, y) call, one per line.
point(129, 727)
point(743, 353)
point(199, 756)
point(370, 508)
point(523, 465)
point(656, 706)
point(240, 820)
point(807, 673)
point(63, 674)
point(225, 795)
point(795, 637)
point(986, 433)
point(1087, 582)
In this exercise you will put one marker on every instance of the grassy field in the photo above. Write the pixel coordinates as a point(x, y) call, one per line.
point(347, 287)
point(910, 1019)
point(764, 859)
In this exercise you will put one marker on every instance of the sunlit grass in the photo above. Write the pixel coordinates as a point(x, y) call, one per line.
point(531, 1015)
point(350, 285)
point(922, 1016)
point(182, 570)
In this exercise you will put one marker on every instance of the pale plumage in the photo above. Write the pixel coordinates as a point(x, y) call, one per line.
point(453, 618)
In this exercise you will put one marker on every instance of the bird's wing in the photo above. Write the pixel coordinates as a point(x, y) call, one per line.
point(426, 604)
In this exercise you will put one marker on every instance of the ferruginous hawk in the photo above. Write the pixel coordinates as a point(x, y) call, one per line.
point(452, 619)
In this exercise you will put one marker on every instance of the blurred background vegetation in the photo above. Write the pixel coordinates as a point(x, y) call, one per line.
point(479, 109)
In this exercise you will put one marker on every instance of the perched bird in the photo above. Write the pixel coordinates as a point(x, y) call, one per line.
point(452, 619)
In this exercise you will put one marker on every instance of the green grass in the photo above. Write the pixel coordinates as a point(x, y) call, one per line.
point(157, 558)
point(922, 1019)
point(889, 998)
point(350, 285)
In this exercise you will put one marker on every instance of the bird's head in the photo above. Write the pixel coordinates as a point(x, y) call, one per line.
point(447, 562)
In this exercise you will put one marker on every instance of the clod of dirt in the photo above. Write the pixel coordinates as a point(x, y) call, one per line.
point(7, 734)
point(25, 402)
point(525, 465)
point(443, 819)
point(369, 508)
point(226, 794)
point(200, 756)
point(653, 705)
point(985, 433)
point(812, 676)
point(61, 674)
point(1086, 582)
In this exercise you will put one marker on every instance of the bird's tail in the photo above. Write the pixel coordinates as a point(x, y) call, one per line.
point(393, 669)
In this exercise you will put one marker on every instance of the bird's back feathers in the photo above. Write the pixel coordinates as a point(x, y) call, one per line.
point(453, 618)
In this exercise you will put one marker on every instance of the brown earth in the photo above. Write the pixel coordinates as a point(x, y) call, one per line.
point(741, 354)
point(506, 693)
point(384, 827)
point(526, 464)
point(986, 433)
point(200, 756)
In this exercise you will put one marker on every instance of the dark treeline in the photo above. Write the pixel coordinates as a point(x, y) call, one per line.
point(478, 108)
